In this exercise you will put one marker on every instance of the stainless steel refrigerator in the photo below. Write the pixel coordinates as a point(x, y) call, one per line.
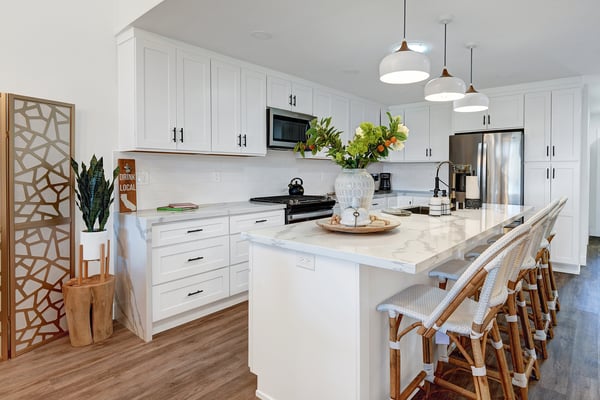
point(497, 159)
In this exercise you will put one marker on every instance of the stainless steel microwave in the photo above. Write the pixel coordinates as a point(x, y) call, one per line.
point(286, 128)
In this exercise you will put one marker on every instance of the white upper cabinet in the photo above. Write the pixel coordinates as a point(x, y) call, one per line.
point(416, 118)
point(289, 95)
point(238, 109)
point(553, 125)
point(504, 112)
point(166, 92)
point(429, 128)
point(327, 104)
point(362, 111)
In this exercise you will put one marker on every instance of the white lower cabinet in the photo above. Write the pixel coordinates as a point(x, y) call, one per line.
point(178, 271)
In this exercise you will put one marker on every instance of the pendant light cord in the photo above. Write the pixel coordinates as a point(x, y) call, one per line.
point(404, 33)
point(445, 26)
point(471, 66)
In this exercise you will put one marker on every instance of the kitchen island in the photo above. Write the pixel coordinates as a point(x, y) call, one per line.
point(314, 332)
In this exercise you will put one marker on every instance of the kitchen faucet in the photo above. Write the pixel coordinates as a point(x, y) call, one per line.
point(451, 190)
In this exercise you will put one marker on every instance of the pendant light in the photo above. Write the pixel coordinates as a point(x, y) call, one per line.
point(404, 65)
point(473, 100)
point(446, 87)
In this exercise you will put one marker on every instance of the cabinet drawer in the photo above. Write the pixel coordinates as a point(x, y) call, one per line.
point(238, 249)
point(241, 223)
point(191, 258)
point(186, 294)
point(186, 231)
point(238, 278)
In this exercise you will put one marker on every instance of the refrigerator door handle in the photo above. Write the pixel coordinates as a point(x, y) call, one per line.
point(483, 176)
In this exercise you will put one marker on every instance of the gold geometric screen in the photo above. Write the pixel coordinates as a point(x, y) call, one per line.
point(41, 147)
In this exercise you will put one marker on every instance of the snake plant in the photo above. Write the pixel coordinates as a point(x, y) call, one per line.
point(94, 192)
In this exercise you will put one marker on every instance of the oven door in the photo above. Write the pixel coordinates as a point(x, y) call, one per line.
point(293, 217)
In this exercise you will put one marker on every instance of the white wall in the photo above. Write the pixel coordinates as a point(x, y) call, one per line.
point(594, 137)
point(415, 176)
point(65, 50)
point(128, 11)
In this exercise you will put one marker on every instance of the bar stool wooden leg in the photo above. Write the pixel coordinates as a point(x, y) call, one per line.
point(533, 366)
point(546, 317)
point(516, 352)
point(502, 364)
point(549, 292)
point(394, 325)
point(536, 311)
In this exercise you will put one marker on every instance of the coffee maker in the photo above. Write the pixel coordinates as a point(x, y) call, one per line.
point(385, 183)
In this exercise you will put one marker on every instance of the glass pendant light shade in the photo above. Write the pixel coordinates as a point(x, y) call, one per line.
point(404, 65)
point(445, 88)
point(472, 102)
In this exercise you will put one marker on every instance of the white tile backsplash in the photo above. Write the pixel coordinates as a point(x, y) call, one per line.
point(206, 179)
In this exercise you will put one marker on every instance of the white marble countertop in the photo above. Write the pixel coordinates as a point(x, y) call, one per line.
point(153, 216)
point(418, 244)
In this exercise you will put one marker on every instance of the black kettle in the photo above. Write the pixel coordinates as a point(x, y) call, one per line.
point(295, 187)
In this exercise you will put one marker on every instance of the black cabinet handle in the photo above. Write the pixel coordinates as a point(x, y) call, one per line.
point(547, 151)
point(239, 140)
point(244, 140)
point(426, 152)
point(489, 119)
point(430, 152)
point(260, 221)
point(547, 173)
point(553, 151)
point(294, 100)
point(484, 120)
point(181, 134)
point(175, 134)
point(553, 173)
point(195, 230)
point(195, 259)
point(290, 101)
point(195, 293)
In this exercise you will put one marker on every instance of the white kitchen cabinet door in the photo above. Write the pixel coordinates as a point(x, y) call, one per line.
point(566, 125)
point(226, 112)
point(565, 182)
point(537, 184)
point(326, 104)
point(288, 95)
point(193, 102)
point(361, 111)
point(156, 95)
point(505, 112)
point(253, 112)
point(302, 98)
point(279, 93)
point(538, 110)
point(238, 278)
point(440, 123)
point(417, 146)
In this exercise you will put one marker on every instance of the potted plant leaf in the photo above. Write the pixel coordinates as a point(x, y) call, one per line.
point(94, 198)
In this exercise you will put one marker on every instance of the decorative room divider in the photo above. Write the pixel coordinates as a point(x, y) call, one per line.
point(36, 222)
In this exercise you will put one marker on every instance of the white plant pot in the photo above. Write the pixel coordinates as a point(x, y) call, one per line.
point(91, 242)
point(354, 189)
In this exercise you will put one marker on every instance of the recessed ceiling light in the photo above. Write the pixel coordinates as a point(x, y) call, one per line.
point(261, 35)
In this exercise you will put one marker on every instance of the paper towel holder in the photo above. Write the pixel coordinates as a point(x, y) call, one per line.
point(472, 197)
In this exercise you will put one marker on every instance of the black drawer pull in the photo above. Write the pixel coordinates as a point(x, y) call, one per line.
point(195, 259)
point(260, 221)
point(195, 230)
point(195, 293)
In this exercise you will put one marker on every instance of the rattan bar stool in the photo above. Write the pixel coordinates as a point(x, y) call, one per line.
point(524, 359)
point(454, 313)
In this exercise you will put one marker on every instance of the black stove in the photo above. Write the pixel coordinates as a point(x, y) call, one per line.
point(302, 207)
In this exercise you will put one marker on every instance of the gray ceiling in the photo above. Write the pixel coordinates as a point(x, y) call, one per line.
point(339, 43)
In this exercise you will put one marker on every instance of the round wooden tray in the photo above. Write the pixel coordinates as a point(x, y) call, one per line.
point(324, 223)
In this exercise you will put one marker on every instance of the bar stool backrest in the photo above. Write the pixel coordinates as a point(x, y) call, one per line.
point(490, 272)
point(554, 215)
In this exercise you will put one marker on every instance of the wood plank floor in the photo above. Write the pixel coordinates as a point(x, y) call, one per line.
point(207, 358)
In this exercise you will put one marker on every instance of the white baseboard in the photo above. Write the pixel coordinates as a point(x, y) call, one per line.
point(262, 395)
point(566, 268)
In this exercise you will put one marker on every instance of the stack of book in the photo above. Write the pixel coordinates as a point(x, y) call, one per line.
point(178, 207)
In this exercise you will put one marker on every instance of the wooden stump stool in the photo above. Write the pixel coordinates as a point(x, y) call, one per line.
point(88, 304)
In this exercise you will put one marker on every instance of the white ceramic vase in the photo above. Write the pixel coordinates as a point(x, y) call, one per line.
point(354, 188)
point(91, 242)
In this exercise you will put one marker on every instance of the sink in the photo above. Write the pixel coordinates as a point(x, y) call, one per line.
point(418, 210)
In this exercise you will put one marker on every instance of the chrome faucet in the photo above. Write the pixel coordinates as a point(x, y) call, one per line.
point(451, 190)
